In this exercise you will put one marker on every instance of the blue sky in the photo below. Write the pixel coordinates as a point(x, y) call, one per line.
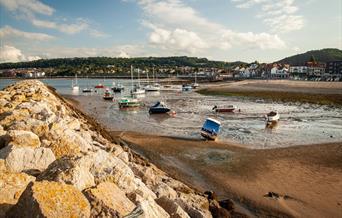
point(229, 30)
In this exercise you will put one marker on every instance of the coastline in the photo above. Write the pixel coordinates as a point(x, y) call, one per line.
point(246, 175)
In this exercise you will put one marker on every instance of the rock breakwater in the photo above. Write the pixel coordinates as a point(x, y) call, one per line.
point(53, 163)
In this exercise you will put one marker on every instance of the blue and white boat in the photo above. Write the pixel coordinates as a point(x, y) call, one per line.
point(187, 87)
point(210, 129)
point(159, 108)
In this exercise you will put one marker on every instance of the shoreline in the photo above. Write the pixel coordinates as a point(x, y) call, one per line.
point(323, 93)
point(227, 168)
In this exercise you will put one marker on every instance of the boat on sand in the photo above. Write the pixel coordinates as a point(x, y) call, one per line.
point(159, 108)
point(224, 108)
point(210, 129)
point(108, 95)
point(272, 117)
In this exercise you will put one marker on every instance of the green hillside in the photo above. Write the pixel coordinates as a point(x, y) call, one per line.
point(323, 55)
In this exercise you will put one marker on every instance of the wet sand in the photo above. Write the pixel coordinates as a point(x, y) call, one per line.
point(329, 93)
point(308, 179)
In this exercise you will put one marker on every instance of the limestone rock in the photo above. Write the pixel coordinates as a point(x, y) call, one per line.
point(108, 200)
point(20, 159)
point(172, 208)
point(38, 127)
point(11, 187)
point(51, 199)
point(162, 189)
point(21, 138)
point(148, 209)
point(69, 170)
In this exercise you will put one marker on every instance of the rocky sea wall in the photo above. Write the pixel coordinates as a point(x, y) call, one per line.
point(54, 163)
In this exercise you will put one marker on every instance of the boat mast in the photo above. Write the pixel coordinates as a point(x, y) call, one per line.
point(139, 77)
point(132, 76)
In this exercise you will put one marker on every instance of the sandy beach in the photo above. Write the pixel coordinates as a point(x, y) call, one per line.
point(329, 93)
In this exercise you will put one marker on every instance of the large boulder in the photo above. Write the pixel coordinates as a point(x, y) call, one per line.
point(172, 208)
point(108, 200)
point(22, 138)
point(50, 199)
point(11, 187)
point(20, 159)
point(148, 209)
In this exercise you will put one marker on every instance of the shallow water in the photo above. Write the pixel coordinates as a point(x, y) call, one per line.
point(299, 123)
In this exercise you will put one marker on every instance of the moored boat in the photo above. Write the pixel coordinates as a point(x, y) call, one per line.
point(99, 86)
point(108, 96)
point(159, 108)
point(224, 108)
point(186, 87)
point(129, 103)
point(272, 116)
point(87, 90)
point(152, 88)
point(210, 129)
point(118, 87)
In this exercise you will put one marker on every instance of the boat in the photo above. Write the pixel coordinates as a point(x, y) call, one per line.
point(118, 87)
point(107, 95)
point(129, 103)
point(99, 86)
point(87, 90)
point(224, 108)
point(195, 85)
point(159, 108)
point(171, 88)
point(74, 84)
point(136, 90)
point(186, 87)
point(210, 129)
point(272, 116)
point(154, 87)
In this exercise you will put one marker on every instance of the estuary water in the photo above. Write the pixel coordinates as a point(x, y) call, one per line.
point(299, 123)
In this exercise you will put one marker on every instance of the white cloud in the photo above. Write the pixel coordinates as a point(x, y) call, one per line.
point(123, 55)
point(27, 6)
point(10, 32)
point(279, 15)
point(12, 54)
point(178, 27)
point(27, 10)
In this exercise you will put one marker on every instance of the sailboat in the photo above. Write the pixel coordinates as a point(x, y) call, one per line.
point(152, 88)
point(74, 84)
point(87, 89)
point(137, 90)
point(195, 85)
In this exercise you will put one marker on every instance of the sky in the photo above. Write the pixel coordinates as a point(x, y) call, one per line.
point(227, 30)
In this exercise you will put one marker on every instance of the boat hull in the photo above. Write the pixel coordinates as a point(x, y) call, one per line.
point(108, 98)
point(117, 89)
point(224, 110)
point(159, 110)
point(208, 136)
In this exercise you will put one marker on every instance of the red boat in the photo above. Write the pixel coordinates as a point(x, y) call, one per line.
point(99, 86)
point(225, 108)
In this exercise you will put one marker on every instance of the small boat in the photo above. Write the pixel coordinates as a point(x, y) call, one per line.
point(152, 88)
point(129, 103)
point(186, 87)
point(159, 108)
point(210, 129)
point(272, 116)
point(87, 90)
point(195, 85)
point(99, 86)
point(108, 96)
point(137, 91)
point(224, 108)
point(74, 84)
point(171, 88)
point(118, 88)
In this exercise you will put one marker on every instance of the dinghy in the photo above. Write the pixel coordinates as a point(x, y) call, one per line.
point(210, 129)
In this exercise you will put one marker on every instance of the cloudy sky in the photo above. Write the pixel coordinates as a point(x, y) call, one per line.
point(229, 30)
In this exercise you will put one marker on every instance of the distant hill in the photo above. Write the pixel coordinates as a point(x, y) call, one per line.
point(121, 62)
point(323, 55)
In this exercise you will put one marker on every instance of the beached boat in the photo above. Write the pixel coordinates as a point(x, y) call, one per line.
point(129, 103)
point(154, 87)
point(99, 86)
point(224, 108)
point(118, 87)
point(186, 87)
point(108, 96)
point(195, 85)
point(210, 129)
point(136, 89)
point(171, 88)
point(87, 90)
point(159, 108)
point(74, 84)
point(272, 116)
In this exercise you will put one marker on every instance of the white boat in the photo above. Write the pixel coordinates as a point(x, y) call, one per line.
point(272, 116)
point(136, 90)
point(195, 85)
point(171, 88)
point(152, 88)
point(224, 108)
point(74, 84)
